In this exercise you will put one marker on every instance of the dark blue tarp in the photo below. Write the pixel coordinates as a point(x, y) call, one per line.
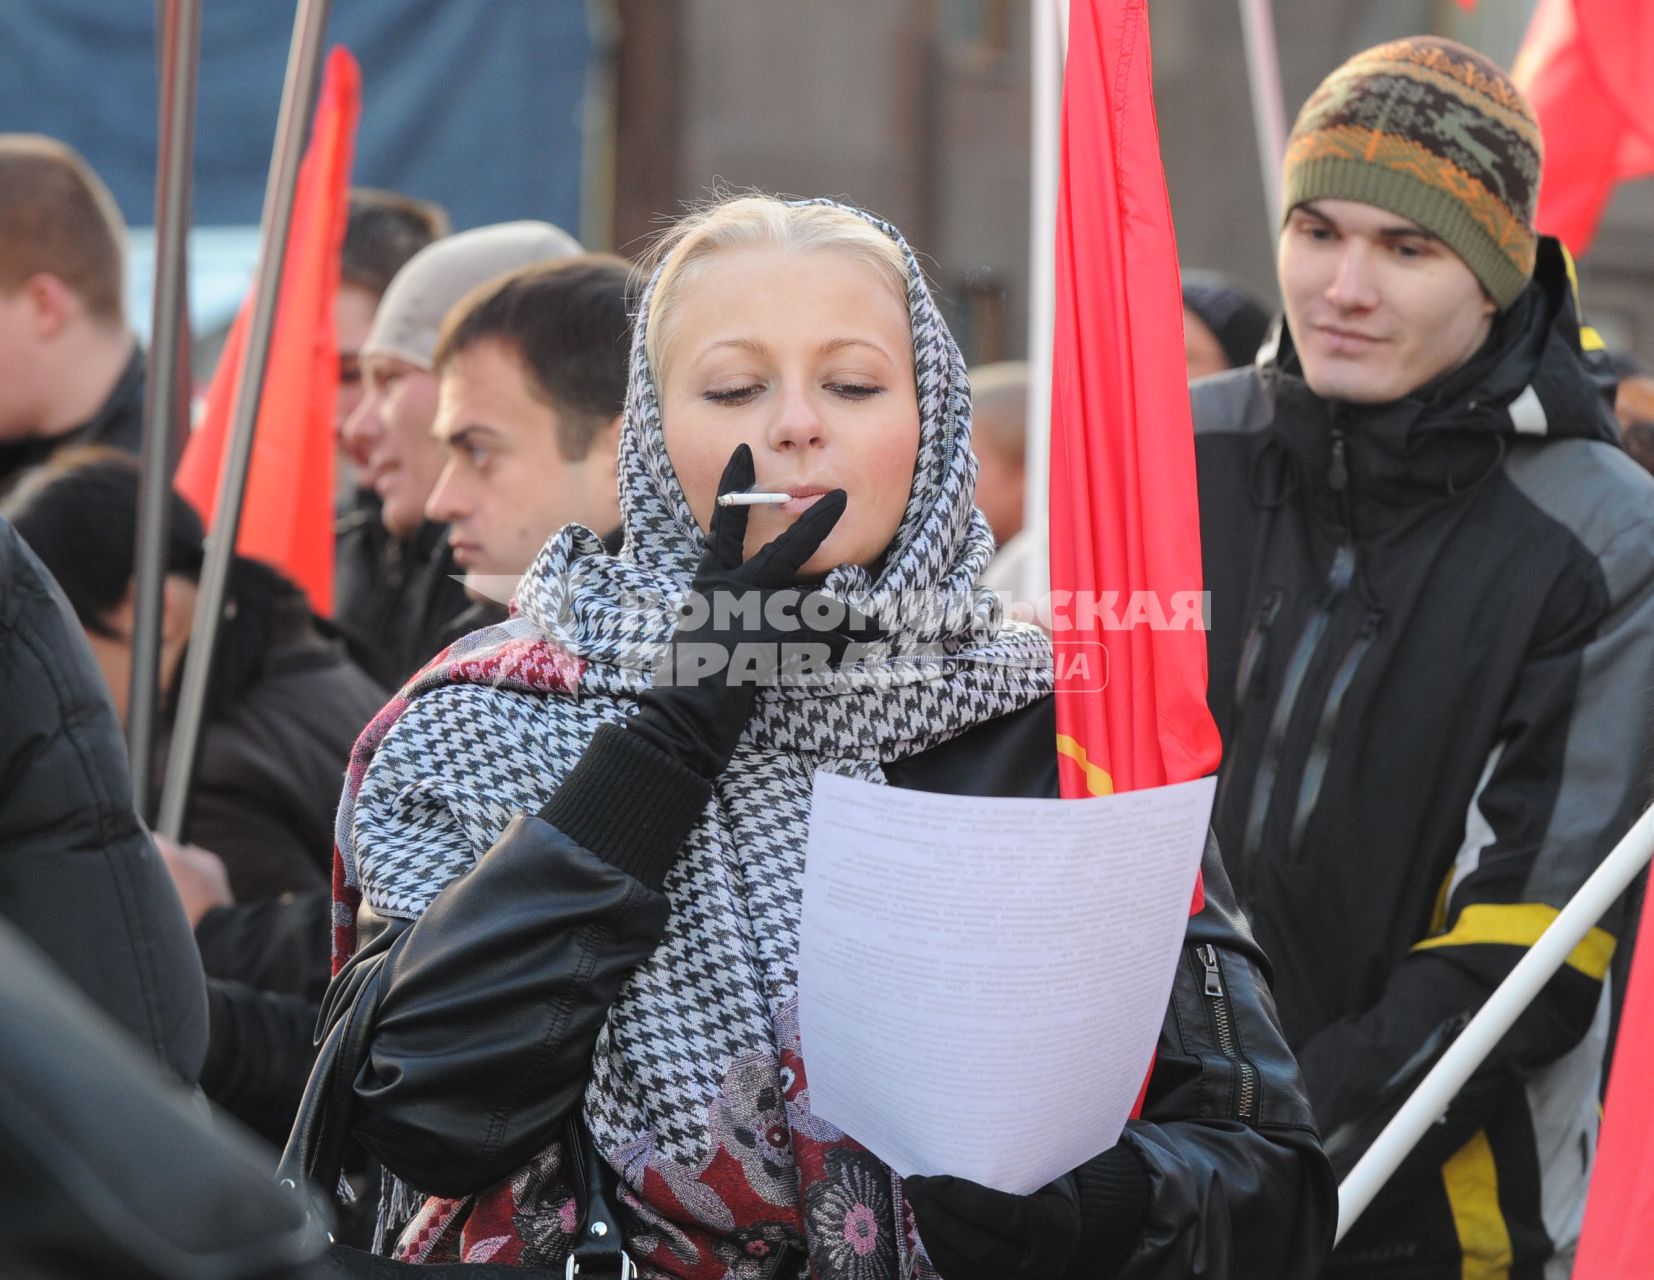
point(475, 104)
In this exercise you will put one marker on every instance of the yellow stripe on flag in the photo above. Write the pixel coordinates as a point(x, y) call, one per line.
point(1097, 780)
point(1519, 924)
point(1472, 1184)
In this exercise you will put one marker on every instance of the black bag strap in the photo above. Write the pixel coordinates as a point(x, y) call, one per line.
point(599, 1250)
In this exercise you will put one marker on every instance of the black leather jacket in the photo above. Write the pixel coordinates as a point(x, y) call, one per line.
point(510, 973)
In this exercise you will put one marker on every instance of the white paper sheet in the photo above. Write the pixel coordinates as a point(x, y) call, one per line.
point(982, 981)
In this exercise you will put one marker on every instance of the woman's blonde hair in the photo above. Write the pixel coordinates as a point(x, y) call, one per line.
point(756, 221)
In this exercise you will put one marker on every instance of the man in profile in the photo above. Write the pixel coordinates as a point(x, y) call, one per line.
point(403, 601)
point(532, 376)
point(383, 229)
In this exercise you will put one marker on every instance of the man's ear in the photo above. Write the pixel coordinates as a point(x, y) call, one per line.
point(607, 442)
point(52, 303)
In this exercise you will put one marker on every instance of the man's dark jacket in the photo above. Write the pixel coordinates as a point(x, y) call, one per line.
point(117, 424)
point(397, 596)
point(1222, 1175)
point(272, 764)
point(79, 875)
point(1432, 652)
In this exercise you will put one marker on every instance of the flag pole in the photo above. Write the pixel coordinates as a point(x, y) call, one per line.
point(1048, 42)
point(298, 91)
point(1508, 1001)
point(180, 45)
point(1263, 73)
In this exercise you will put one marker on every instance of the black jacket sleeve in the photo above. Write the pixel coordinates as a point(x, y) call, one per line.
point(492, 1001)
point(259, 1054)
point(279, 946)
point(78, 872)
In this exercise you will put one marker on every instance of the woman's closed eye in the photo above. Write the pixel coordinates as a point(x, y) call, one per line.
point(732, 395)
point(855, 390)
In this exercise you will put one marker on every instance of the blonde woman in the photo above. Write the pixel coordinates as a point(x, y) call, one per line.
point(588, 838)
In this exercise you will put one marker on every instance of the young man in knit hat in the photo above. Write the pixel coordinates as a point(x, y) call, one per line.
point(1432, 645)
point(402, 598)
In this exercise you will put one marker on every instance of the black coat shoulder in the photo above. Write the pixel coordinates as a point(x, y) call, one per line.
point(79, 875)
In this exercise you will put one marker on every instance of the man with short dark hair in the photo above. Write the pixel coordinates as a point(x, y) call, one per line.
point(70, 369)
point(532, 377)
point(1432, 608)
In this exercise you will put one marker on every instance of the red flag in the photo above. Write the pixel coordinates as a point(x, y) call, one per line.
point(1124, 510)
point(1618, 1236)
point(287, 518)
point(1586, 67)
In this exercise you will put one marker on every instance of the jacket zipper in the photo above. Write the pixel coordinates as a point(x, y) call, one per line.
point(1246, 676)
point(1315, 769)
point(1223, 1026)
point(1263, 785)
point(1339, 577)
point(1257, 639)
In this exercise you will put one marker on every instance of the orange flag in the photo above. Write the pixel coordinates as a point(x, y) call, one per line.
point(1125, 521)
point(287, 516)
point(1586, 66)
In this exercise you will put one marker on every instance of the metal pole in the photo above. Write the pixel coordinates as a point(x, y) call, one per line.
point(180, 32)
point(299, 90)
point(1263, 70)
point(1049, 39)
point(1512, 997)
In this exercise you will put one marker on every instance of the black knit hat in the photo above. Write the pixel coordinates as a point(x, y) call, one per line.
point(1234, 314)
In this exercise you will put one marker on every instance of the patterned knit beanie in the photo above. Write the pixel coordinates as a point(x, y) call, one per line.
point(1436, 133)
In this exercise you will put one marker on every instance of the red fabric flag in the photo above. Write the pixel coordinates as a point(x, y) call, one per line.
point(1586, 66)
point(1618, 1236)
point(287, 517)
point(1131, 675)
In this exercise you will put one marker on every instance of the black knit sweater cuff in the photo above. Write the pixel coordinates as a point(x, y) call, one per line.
point(1114, 1209)
point(630, 803)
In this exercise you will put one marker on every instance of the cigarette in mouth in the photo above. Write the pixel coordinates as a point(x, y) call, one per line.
point(752, 498)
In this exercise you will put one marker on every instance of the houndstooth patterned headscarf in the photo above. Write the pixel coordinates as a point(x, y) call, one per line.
point(698, 1095)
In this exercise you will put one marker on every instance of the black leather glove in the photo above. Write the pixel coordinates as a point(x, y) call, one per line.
point(973, 1232)
point(705, 689)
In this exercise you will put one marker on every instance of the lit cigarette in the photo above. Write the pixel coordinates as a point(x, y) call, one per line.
point(753, 499)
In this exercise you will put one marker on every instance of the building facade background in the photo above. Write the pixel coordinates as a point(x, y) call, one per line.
point(920, 109)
